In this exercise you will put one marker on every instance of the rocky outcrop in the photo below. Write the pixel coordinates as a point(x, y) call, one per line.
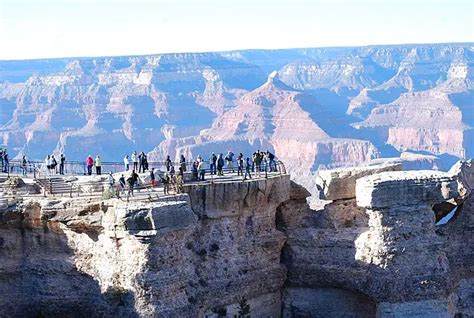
point(210, 252)
point(383, 243)
point(374, 249)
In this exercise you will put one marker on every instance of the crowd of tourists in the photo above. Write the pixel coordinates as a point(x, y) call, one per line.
point(52, 164)
point(260, 162)
point(5, 162)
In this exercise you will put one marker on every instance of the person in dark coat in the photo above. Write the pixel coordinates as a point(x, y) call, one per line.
point(62, 161)
point(220, 165)
point(212, 163)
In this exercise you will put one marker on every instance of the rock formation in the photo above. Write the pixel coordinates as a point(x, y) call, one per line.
point(329, 107)
point(208, 252)
point(375, 247)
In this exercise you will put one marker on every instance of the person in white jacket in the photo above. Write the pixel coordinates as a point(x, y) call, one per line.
point(135, 161)
point(126, 162)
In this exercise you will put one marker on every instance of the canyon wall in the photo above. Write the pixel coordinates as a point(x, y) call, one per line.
point(322, 108)
point(382, 243)
point(213, 251)
point(373, 249)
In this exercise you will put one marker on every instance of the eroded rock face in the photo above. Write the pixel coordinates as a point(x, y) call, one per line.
point(221, 249)
point(183, 257)
point(341, 183)
point(377, 239)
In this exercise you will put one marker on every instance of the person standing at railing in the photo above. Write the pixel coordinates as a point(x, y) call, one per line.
point(5, 161)
point(266, 161)
point(182, 163)
point(229, 158)
point(168, 163)
point(248, 166)
point(24, 164)
point(54, 164)
point(271, 159)
point(89, 164)
point(98, 165)
point(141, 162)
point(257, 159)
point(1, 157)
point(254, 159)
point(220, 165)
point(166, 180)
point(126, 163)
point(62, 161)
point(202, 170)
point(240, 164)
point(194, 171)
point(47, 162)
point(212, 163)
point(135, 160)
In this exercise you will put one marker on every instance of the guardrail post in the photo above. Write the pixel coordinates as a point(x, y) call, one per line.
point(70, 191)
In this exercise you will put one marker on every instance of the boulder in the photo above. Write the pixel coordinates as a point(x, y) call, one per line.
point(406, 188)
point(464, 171)
point(340, 184)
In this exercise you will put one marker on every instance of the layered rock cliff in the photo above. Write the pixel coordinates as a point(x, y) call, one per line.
point(209, 252)
point(383, 243)
point(331, 106)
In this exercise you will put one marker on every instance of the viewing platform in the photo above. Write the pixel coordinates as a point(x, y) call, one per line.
point(37, 181)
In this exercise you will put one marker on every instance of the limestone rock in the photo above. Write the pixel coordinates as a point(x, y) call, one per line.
point(464, 171)
point(341, 183)
point(406, 188)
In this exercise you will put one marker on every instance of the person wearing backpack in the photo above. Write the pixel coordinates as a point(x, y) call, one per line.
point(271, 159)
point(229, 158)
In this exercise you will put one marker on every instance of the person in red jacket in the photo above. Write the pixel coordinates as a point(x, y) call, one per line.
point(89, 164)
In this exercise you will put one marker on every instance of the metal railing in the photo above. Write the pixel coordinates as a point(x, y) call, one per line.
point(35, 168)
point(49, 181)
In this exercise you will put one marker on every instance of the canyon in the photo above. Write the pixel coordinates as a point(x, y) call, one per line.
point(315, 108)
point(375, 246)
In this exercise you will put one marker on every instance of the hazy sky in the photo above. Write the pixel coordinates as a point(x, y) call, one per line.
point(58, 28)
